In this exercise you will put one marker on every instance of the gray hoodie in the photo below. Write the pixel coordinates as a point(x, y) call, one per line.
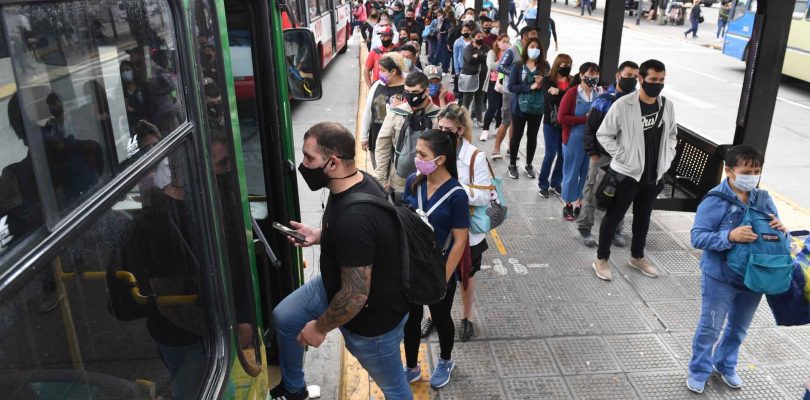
point(622, 136)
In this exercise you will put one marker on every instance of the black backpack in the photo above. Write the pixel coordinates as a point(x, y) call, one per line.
point(423, 266)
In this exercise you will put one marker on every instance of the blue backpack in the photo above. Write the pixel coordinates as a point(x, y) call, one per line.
point(765, 263)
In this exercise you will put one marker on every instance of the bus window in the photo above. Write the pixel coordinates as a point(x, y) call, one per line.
point(312, 7)
point(324, 6)
point(117, 313)
point(293, 9)
point(84, 76)
point(799, 9)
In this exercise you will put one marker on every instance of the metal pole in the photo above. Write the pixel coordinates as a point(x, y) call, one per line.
point(503, 16)
point(479, 4)
point(543, 17)
point(612, 26)
point(638, 12)
point(763, 72)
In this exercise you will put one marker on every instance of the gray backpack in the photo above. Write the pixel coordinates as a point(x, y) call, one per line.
point(405, 147)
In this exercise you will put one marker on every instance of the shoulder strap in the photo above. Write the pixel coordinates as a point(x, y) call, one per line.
point(472, 174)
point(726, 197)
point(472, 167)
point(660, 116)
point(737, 202)
point(438, 203)
point(368, 198)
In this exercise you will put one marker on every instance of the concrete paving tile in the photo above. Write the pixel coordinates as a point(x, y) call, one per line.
point(545, 388)
point(583, 355)
point(641, 353)
point(523, 358)
point(601, 387)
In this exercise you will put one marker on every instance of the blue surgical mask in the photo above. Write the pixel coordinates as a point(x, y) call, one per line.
point(533, 53)
point(746, 183)
point(433, 89)
point(408, 64)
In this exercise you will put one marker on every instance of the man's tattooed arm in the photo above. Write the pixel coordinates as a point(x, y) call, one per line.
point(349, 300)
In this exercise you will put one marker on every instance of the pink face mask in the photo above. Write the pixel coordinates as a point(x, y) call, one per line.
point(426, 167)
point(503, 45)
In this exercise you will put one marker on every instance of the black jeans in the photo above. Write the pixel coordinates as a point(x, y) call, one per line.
point(440, 314)
point(473, 102)
point(494, 104)
point(642, 195)
point(519, 122)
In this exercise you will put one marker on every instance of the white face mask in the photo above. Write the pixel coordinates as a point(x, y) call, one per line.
point(746, 183)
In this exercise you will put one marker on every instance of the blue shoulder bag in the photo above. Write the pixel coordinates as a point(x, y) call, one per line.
point(765, 263)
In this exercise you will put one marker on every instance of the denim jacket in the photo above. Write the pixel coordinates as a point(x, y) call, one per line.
point(714, 220)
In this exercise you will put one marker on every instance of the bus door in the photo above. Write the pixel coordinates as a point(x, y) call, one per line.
point(334, 14)
point(266, 150)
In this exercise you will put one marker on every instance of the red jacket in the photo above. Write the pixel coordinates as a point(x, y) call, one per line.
point(565, 114)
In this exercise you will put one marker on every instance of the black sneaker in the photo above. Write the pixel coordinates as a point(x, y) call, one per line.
point(543, 193)
point(427, 327)
point(466, 330)
point(513, 172)
point(530, 172)
point(568, 212)
point(280, 393)
point(577, 210)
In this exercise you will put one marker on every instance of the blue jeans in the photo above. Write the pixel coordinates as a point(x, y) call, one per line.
point(553, 140)
point(187, 366)
point(718, 300)
point(693, 29)
point(721, 28)
point(379, 355)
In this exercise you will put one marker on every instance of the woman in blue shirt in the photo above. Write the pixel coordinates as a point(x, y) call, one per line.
point(435, 190)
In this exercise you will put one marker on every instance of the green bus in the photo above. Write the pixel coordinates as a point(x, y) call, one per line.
point(139, 184)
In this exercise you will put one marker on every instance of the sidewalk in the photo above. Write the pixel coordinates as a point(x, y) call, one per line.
point(547, 328)
point(706, 31)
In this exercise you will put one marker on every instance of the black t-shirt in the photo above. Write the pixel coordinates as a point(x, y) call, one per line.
point(652, 141)
point(356, 236)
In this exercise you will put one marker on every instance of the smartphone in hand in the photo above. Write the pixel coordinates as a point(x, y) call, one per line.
point(289, 232)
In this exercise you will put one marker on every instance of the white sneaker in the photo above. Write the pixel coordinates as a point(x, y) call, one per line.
point(484, 135)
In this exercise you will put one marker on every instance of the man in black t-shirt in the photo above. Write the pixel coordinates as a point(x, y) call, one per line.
point(640, 134)
point(360, 287)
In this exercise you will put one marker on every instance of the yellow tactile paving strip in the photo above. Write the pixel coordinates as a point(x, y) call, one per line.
point(355, 383)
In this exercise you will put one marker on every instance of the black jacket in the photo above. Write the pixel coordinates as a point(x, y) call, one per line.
point(550, 99)
point(475, 64)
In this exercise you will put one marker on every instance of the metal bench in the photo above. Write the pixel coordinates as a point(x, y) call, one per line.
point(697, 168)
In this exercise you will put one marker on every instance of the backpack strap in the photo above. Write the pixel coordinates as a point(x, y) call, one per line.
point(733, 200)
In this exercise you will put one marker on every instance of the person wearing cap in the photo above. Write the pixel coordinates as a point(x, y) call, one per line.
point(373, 59)
point(440, 95)
point(383, 23)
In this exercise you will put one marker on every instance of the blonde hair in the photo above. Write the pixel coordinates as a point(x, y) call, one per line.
point(398, 59)
point(460, 116)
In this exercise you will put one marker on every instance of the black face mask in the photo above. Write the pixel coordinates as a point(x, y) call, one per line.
point(565, 71)
point(479, 41)
point(466, 35)
point(627, 85)
point(315, 178)
point(487, 30)
point(652, 89)
point(415, 99)
point(386, 42)
point(410, 19)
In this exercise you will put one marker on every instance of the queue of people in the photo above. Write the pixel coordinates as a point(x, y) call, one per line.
point(619, 136)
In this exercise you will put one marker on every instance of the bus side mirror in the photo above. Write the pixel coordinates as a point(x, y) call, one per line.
point(302, 62)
